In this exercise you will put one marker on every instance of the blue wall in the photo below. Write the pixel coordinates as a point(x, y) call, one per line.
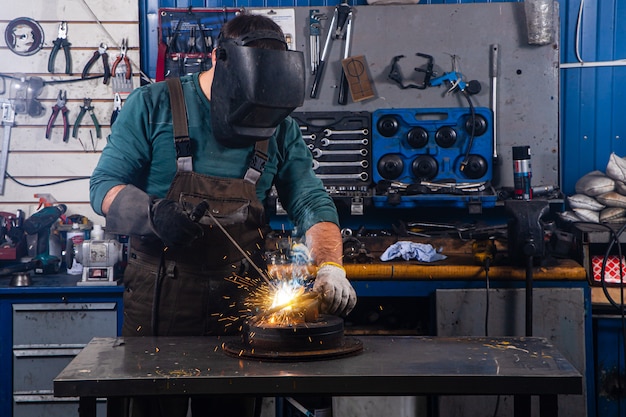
point(593, 123)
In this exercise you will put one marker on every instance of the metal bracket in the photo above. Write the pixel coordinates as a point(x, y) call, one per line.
point(8, 121)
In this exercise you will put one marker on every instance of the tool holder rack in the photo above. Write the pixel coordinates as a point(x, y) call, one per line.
point(342, 157)
point(186, 39)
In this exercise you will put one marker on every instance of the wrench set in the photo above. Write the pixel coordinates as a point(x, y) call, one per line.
point(340, 143)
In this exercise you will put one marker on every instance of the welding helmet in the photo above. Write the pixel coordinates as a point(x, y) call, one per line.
point(254, 89)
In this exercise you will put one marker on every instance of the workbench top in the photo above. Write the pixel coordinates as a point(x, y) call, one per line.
point(398, 365)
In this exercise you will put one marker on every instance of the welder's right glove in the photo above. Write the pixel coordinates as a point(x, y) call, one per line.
point(133, 212)
point(338, 296)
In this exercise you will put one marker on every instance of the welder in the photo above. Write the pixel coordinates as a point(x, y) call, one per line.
point(224, 137)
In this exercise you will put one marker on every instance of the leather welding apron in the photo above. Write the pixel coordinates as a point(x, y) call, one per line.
point(201, 288)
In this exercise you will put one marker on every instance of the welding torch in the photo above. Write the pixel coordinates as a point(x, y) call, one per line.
point(203, 209)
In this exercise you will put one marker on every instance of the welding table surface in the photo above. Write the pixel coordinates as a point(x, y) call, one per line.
point(398, 365)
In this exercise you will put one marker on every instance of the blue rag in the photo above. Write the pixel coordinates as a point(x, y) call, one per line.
point(410, 250)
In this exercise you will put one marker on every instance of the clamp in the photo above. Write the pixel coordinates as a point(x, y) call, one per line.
point(86, 108)
point(101, 52)
point(341, 16)
point(122, 57)
point(59, 107)
point(396, 75)
point(61, 42)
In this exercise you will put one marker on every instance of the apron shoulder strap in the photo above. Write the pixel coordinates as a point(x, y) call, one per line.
point(257, 164)
point(182, 142)
point(184, 160)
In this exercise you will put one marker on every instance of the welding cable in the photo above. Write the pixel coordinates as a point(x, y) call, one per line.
point(615, 239)
point(473, 130)
point(620, 307)
point(486, 266)
point(156, 299)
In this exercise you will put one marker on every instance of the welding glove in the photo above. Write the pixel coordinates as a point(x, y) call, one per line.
point(136, 213)
point(338, 296)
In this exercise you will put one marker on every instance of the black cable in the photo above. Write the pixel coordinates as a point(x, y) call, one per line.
point(156, 300)
point(487, 265)
point(7, 175)
point(473, 131)
point(615, 236)
point(52, 82)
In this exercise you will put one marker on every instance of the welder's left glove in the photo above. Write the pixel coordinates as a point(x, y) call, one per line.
point(338, 296)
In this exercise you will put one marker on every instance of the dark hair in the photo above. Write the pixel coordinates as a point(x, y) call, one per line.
point(244, 24)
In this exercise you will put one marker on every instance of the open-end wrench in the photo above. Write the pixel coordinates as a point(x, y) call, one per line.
point(317, 164)
point(326, 142)
point(312, 136)
point(317, 152)
point(362, 176)
point(330, 132)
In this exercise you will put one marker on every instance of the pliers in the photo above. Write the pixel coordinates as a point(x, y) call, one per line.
point(61, 42)
point(101, 52)
point(122, 57)
point(56, 109)
point(86, 108)
point(117, 106)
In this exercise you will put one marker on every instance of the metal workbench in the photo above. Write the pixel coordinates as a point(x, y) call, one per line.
point(404, 365)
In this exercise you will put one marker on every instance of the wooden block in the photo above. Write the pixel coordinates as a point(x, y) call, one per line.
point(355, 69)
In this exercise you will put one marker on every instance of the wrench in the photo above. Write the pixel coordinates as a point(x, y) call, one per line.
point(317, 164)
point(312, 136)
point(330, 132)
point(326, 142)
point(317, 152)
point(362, 176)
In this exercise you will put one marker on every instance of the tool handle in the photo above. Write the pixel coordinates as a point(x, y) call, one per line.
point(318, 79)
point(53, 55)
point(66, 125)
point(107, 69)
point(79, 119)
point(96, 124)
point(343, 89)
point(494, 60)
point(68, 57)
point(51, 120)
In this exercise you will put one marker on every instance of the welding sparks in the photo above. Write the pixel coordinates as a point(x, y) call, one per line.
point(289, 299)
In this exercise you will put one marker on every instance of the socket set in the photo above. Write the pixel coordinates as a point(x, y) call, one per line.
point(414, 147)
point(341, 145)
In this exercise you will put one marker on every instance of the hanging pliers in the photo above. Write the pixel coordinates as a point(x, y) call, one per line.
point(122, 57)
point(117, 106)
point(61, 42)
point(86, 108)
point(56, 109)
point(101, 52)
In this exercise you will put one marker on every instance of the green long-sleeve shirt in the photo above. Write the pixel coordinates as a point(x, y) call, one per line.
point(141, 151)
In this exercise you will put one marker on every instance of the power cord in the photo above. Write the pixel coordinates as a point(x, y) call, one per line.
point(9, 176)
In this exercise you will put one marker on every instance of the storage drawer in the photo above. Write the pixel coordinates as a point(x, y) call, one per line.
point(48, 324)
point(49, 406)
point(34, 369)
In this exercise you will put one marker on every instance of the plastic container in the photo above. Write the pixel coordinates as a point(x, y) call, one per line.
point(97, 233)
point(75, 237)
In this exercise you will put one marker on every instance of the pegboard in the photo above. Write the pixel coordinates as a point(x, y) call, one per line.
point(527, 105)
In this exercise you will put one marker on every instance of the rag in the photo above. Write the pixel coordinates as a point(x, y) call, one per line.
point(423, 252)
